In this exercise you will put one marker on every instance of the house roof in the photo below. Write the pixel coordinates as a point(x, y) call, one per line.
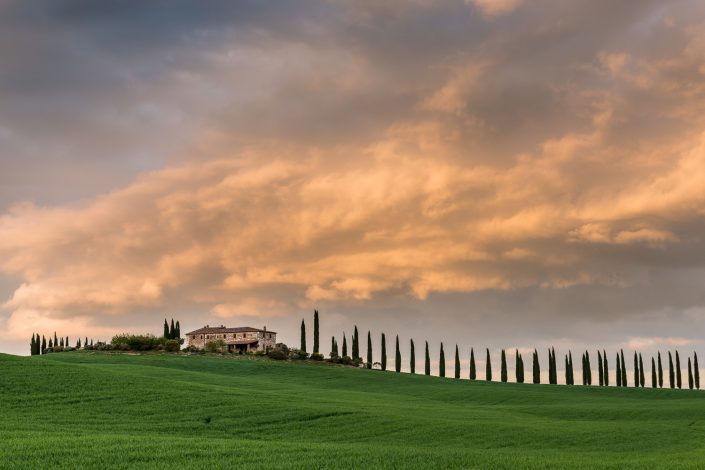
point(224, 329)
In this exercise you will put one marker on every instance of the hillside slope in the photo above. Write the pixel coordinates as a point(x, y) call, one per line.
point(120, 411)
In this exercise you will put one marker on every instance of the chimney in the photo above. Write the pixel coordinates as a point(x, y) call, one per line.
point(264, 328)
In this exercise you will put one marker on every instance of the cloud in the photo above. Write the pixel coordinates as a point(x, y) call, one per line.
point(492, 8)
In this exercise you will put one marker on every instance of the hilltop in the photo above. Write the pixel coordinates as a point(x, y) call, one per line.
point(83, 409)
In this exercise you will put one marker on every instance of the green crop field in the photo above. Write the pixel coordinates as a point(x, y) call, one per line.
point(95, 410)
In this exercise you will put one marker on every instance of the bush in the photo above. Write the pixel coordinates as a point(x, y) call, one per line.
point(317, 357)
point(283, 347)
point(135, 342)
point(173, 345)
point(278, 354)
point(347, 360)
point(217, 345)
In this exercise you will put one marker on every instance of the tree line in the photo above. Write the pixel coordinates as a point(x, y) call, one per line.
point(638, 376)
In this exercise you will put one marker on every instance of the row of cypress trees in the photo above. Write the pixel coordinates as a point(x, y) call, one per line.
point(602, 362)
point(172, 331)
point(39, 345)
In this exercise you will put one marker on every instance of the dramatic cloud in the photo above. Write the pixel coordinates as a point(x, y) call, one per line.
point(412, 166)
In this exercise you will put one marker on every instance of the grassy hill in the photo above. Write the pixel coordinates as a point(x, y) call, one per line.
point(90, 409)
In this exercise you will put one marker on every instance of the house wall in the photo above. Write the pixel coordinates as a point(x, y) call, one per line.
point(266, 339)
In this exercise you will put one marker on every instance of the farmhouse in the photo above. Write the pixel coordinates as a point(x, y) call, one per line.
point(240, 339)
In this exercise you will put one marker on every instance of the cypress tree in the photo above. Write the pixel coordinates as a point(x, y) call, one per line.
point(671, 373)
point(397, 357)
point(67, 342)
point(62, 342)
point(536, 368)
point(570, 367)
point(56, 340)
point(51, 344)
point(660, 371)
point(457, 363)
point(44, 347)
point(678, 371)
point(696, 370)
point(412, 357)
point(166, 329)
point(503, 370)
point(442, 363)
point(600, 374)
point(78, 343)
point(427, 365)
point(315, 332)
point(356, 345)
point(85, 342)
point(641, 372)
point(91, 342)
point(333, 347)
point(619, 372)
point(588, 372)
point(567, 372)
point(172, 330)
point(178, 330)
point(384, 352)
point(303, 335)
point(488, 367)
point(345, 345)
point(636, 370)
point(624, 370)
point(473, 371)
point(550, 366)
point(584, 370)
point(31, 346)
point(519, 372)
point(369, 350)
point(654, 380)
point(690, 375)
point(605, 370)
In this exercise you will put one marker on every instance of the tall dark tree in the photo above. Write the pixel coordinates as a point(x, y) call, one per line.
point(397, 357)
point(315, 332)
point(636, 370)
point(66, 343)
point(177, 330)
point(678, 370)
point(345, 346)
point(333, 347)
point(567, 372)
point(660, 371)
point(172, 330)
point(51, 344)
point(44, 347)
point(427, 363)
point(588, 368)
point(605, 369)
point(166, 329)
point(442, 363)
point(584, 370)
point(62, 342)
point(600, 374)
point(383, 360)
point(550, 366)
point(536, 368)
point(473, 370)
point(690, 375)
point(412, 357)
point(32, 346)
point(488, 367)
point(696, 370)
point(624, 370)
point(654, 380)
point(369, 350)
point(570, 368)
point(619, 372)
point(303, 335)
point(56, 340)
point(642, 379)
point(503, 370)
point(457, 363)
point(78, 343)
point(356, 345)
point(85, 342)
point(671, 372)
point(519, 372)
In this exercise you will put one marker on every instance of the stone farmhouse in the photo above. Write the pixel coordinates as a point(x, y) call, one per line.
point(240, 339)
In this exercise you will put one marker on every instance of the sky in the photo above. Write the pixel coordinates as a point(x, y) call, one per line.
point(487, 173)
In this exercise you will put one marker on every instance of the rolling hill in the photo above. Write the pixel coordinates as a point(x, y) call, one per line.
point(157, 410)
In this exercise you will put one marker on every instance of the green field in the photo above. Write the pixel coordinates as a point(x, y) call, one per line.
point(110, 410)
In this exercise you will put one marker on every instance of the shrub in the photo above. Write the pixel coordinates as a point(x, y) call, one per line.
point(172, 345)
point(277, 354)
point(347, 360)
point(136, 342)
point(283, 347)
point(317, 357)
point(215, 346)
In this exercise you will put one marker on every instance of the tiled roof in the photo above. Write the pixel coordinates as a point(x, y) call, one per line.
point(224, 329)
